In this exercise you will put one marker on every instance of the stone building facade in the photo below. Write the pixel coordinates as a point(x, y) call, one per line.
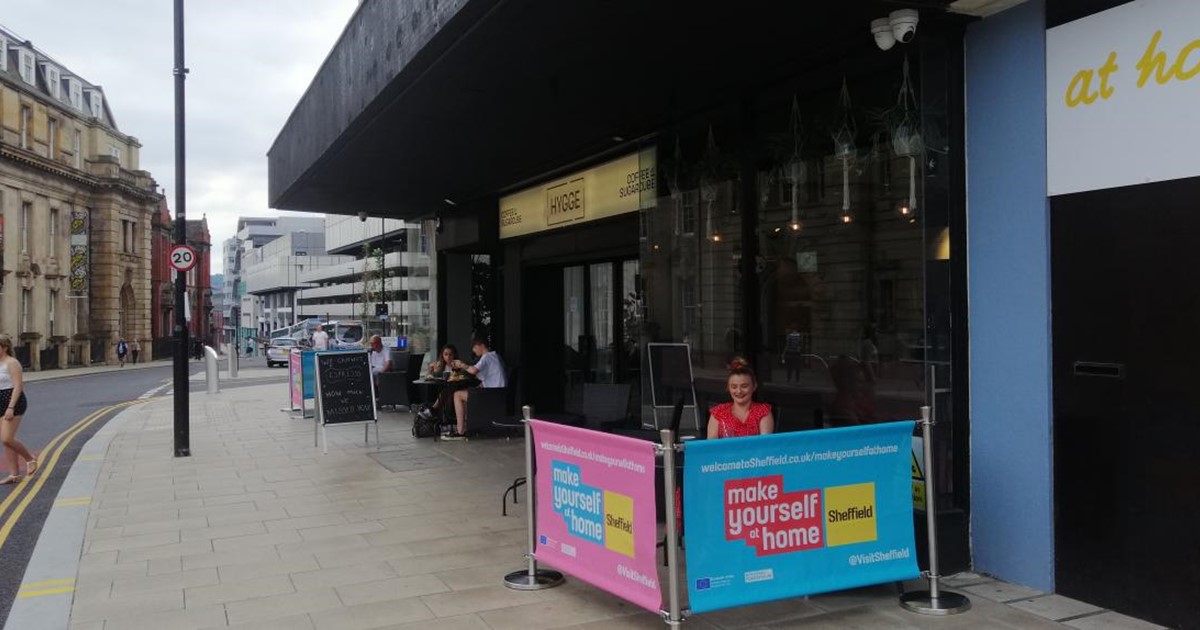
point(199, 284)
point(75, 216)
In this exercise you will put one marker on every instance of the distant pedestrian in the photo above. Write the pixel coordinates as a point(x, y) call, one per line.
point(320, 339)
point(13, 403)
point(135, 349)
point(122, 350)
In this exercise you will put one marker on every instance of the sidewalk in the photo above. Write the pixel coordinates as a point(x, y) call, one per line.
point(45, 375)
point(259, 530)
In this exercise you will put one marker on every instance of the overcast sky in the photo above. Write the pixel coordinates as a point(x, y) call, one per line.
point(249, 62)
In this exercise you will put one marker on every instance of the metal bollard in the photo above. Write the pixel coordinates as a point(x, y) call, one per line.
point(210, 370)
point(233, 362)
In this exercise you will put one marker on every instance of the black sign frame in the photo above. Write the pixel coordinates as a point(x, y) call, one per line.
point(364, 413)
point(669, 363)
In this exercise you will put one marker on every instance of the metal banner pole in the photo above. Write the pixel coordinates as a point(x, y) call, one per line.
point(674, 615)
point(531, 578)
point(934, 601)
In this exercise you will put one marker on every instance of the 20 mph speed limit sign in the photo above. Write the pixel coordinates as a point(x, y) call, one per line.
point(182, 258)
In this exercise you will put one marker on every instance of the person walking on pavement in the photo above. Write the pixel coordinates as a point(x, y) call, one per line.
point(320, 338)
point(13, 403)
point(122, 350)
point(135, 349)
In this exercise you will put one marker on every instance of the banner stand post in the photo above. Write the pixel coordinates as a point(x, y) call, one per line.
point(532, 578)
point(934, 601)
point(673, 615)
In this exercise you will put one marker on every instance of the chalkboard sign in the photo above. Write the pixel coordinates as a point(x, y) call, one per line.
point(671, 378)
point(345, 389)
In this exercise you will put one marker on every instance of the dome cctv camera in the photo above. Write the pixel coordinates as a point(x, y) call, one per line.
point(904, 24)
point(882, 30)
point(362, 216)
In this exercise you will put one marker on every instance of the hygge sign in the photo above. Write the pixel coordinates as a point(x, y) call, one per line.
point(627, 184)
point(1122, 89)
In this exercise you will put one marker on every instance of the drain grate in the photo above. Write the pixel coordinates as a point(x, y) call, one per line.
point(408, 459)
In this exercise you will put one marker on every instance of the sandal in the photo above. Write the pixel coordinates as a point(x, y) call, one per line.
point(31, 467)
point(10, 480)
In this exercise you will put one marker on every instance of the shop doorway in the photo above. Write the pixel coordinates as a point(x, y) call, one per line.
point(1126, 324)
point(581, 325)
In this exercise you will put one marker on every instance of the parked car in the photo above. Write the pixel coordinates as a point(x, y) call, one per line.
point(280, 351)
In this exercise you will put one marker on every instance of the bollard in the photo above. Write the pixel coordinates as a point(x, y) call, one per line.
point(233, 362)
point(210, 370)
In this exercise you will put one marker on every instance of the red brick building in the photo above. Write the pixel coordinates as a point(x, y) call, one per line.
point(162, 283)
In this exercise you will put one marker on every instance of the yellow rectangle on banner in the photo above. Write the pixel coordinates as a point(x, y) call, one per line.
point(850, 514)
point(618, 523)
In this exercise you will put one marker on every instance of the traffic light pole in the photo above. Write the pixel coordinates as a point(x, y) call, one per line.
point(182, 428)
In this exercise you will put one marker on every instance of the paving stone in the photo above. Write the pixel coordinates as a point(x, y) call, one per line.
point(239, 591)
point(1055, 607)
point(276, 608)
point(1002, 591)
point(369, 616)
point(393, 588)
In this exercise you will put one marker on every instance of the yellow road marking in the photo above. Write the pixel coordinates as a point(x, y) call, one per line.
point(73, 501)
point(46, 469)
point(48, 587)
point(62, 582)
point(47, 591)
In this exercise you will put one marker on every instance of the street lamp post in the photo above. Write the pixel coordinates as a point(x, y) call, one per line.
point(353, 295)
point(182, 428)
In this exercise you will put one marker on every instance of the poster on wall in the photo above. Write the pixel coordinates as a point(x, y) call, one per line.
point(79, 252)
point(1121, 93)
point(778, 516)
point(596, 517)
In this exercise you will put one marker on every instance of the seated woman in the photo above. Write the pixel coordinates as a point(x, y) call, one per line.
point(446, 358)
point(442, 367)
point(742, 416)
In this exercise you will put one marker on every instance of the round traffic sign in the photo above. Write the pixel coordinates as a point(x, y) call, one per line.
point(182, 258)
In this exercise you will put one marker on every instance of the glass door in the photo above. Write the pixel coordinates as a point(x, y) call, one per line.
point(601, 315)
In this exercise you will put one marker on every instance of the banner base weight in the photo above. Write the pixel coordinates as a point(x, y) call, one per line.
point(923, 603)
point(541, 579)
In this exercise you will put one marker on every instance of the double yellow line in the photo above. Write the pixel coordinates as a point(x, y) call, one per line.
point(26, 491)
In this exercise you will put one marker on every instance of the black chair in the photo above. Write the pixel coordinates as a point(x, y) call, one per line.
point(605, 405)
point(396, 388)
point(412, 367)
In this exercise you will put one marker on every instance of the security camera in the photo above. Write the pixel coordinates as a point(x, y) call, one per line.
point(362, 216)
point(904, 24)
point(882, 30)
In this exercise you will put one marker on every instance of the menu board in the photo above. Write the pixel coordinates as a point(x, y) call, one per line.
point(345, 390)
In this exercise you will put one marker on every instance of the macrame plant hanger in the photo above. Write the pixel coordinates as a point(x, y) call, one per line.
point(906, 136)
point(844, 148)
point(797, 169)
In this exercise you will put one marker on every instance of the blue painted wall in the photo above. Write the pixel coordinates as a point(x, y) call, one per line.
point(1008, 233)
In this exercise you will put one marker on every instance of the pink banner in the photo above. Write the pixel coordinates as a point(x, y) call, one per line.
point(294, 380)
point(595, 510)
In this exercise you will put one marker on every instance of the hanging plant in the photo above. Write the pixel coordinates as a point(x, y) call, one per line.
point(844, 147)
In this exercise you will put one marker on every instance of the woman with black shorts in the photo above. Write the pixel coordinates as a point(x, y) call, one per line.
point(13, 405)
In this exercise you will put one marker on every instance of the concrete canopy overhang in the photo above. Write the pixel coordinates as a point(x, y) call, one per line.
point(426, 101)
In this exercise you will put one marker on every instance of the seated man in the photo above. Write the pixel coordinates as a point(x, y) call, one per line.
point(489, 369)
point(379, 358)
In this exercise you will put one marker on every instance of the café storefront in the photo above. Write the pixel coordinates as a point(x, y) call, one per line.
point(762, 182)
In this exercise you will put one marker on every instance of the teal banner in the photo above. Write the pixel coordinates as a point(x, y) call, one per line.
point(777, 516)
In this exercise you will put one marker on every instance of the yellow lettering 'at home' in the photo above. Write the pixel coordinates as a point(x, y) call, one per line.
point(1080, 89)
point(1110, 66)
point(1181, 59)
point(1153, 60)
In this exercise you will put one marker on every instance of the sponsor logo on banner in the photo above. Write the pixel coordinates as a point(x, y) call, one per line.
point(779, 516)
point(595, 517)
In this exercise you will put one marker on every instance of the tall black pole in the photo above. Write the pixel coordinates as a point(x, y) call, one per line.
point(182, 430)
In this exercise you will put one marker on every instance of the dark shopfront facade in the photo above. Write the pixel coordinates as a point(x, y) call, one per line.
point(776, 187)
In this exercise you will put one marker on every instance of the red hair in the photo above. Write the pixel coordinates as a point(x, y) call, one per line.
point(739, 366)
